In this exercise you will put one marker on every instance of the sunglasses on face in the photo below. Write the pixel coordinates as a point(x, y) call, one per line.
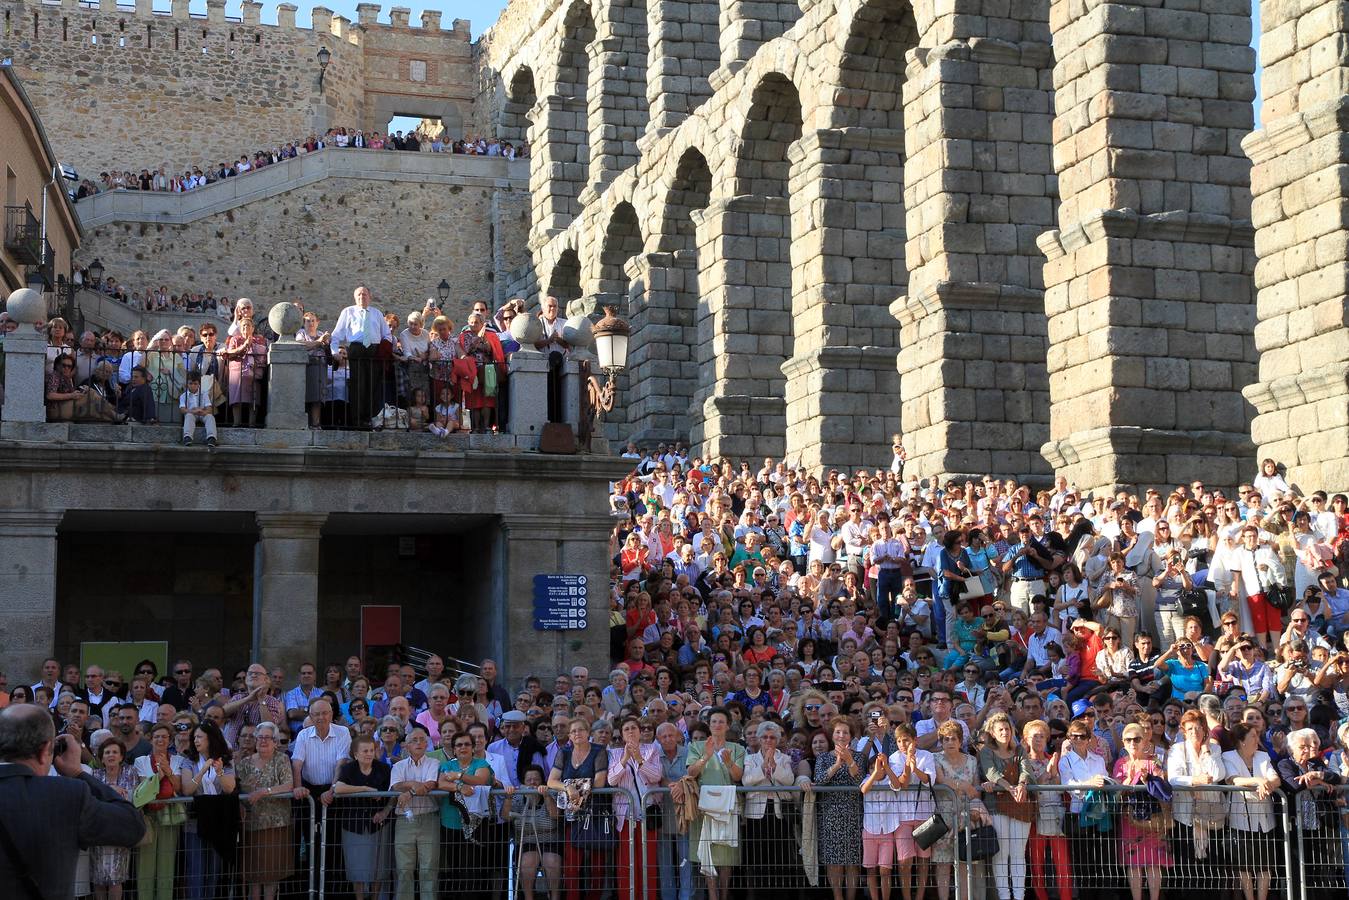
point(183, 726)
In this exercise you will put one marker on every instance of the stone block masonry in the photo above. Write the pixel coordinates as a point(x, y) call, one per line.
point(130, 89)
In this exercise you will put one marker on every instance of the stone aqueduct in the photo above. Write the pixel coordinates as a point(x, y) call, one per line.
point(1023, 231)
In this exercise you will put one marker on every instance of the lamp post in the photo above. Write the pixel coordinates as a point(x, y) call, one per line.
point(96, 272)
point(611, 347)
point(324, 57)
point(443, 291)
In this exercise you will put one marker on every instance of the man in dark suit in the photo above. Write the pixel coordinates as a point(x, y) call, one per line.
point(46, 821)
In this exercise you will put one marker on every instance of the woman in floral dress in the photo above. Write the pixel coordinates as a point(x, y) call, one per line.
point(110, 865)
point(267, 844)
point(840, 828)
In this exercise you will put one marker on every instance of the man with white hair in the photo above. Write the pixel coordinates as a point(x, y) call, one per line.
point(361, 329)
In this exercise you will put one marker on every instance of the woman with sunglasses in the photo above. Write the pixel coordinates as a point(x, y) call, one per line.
point(390, 735)
point(1143, 851)
point(1188, 676)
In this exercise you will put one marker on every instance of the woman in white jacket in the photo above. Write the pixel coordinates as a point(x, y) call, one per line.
point(1195, 761)
point(768, 824)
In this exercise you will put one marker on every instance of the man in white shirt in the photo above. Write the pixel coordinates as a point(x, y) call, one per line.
point(1255, 569)
point(1078, 765)
point(556, 349)
point(939, 700)
point(887, 554)
point(361, 329)
point(1040, 635)
point(416, 836)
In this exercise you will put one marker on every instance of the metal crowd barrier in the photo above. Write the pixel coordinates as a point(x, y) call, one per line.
point(783, 838)
point(196, 848)
point(503, 857)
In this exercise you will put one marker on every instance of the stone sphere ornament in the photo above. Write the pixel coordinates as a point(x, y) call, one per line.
point(527, 329)
point(27, 307)
point(285, 320)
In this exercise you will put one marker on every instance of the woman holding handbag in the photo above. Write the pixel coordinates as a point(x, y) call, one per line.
point(958, 771)
point(1042, 768)
point(1196, 761)
point(155, 860)
point(1008, 802)
point(1142, 848)
point(574, 776)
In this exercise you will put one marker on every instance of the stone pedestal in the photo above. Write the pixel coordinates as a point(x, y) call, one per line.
point(289, 590)
point(529, 394)
point(287, 363)
point(572, 386)
point(1302, 278)
point(27, 588)
point(1148, 286)
point(25, 375)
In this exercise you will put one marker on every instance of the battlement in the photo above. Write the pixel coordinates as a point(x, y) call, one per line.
point(19, 16)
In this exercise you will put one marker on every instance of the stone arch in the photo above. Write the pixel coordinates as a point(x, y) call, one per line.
point(622, 241)
point(380, 108)
point(520, 98)
point(564, 281)
point(872, 66)
point(689, 191)
point(618, 109)
point(771, 126)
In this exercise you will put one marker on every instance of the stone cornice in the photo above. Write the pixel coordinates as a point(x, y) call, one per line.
point(30, 522)
point(523, 526)
point(1176, 225)
point(1297, 390)
point(881, 359)
point(971, 295)
point(1131, 441)
point(288, 525)
point(1284, 135)
point(135, 459)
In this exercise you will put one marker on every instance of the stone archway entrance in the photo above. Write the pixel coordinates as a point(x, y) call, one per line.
point(381, 108)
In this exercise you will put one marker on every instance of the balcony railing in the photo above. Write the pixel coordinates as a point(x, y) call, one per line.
point(23, 235)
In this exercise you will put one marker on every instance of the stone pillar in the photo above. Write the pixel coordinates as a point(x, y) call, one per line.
point(1148, 282)
point(287, 363)
point(107, 6)
point(684, 52)
point(533, 545)
point(399, 16)
point(529, 395)
point(560, 156)
point(662, 370)
point(744, 327)
point(251, 12)
point(27, 588)
point(322, 19)
point(978, 189)
point(571, 391)
point(617, 93)
point(179, 9)
point(215, 12)
point(146, 8)
point(25, 359)
point(290, 587)
point(1301, 197)
point(285, 15)
point(842, 386)
point(431, 19)
point(746, 25)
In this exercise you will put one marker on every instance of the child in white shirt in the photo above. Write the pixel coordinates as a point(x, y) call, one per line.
point(195, 405)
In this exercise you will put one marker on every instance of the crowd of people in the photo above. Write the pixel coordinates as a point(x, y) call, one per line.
point(197, 176)
point(437, 377)
point(814, 671)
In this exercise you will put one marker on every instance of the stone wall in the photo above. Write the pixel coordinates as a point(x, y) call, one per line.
point(132, 89)
point(317, 241)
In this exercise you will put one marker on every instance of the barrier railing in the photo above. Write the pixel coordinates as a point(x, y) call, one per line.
point(1210, 838)
point(213, 848)
point(798, 838)
point(517, 844)
point(364, 391)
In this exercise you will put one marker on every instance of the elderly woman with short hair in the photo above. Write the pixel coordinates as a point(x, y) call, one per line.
point(477, 342)
point(768, 815)
point(168, 374)
point(1311, 788)
point(246, 353)
point(267, 844)
point(316, 368)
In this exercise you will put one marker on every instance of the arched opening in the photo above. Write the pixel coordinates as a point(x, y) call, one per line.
point(689, 191)
point(571, 151)
point(871, 73)
point(622, 241)
point(762, 174)
point(520, 99)
point(564, 282)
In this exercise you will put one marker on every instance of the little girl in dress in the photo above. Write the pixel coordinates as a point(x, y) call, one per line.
point(449, 417)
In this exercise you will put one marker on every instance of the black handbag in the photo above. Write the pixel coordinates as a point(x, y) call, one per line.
point(976, 844)
point(928, 833)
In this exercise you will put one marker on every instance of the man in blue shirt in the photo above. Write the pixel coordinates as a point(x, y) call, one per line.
point(1336, 605)
point(1026, 560)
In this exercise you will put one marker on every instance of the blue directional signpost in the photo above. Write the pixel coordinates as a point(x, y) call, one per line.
point(559, 602)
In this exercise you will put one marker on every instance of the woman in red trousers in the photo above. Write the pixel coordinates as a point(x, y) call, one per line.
point(636, 768)
point(1047, 828)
